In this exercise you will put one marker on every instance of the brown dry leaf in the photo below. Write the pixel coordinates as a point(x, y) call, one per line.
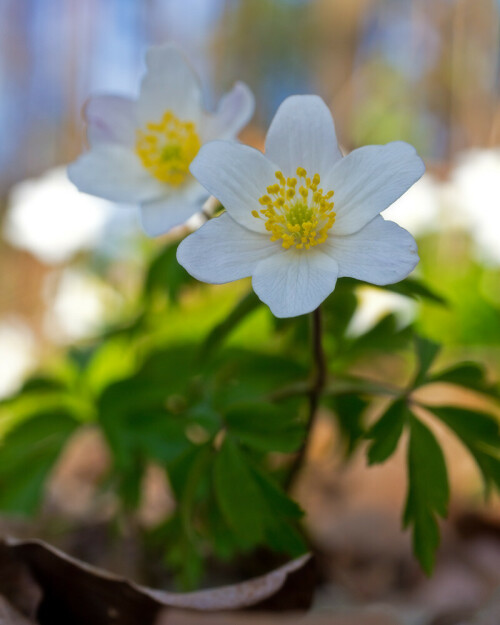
point(10, 616)
point(18, 586)
point(77, 593)
point(358, 618)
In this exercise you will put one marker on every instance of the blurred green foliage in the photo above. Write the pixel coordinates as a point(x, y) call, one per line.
point(214, 390)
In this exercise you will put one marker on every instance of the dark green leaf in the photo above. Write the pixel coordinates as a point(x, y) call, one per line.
point(428, 492)
point(280, 505)
point(246, 376)
point(469, 375)
point(386, 432)
point(384, 336)
point(238, 495)
point(426, 354)
point(411, 287)
point(265, 427)
point(349, 409)
point(480, 433)
point(338, 310)
point(255, 509)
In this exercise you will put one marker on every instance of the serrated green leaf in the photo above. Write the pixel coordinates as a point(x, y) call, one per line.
point(428, 492)
point(265, 427)
point(480, 433)
point(410, 287)
point(384, 336)
point(386, 432)
point(426, 354)
point(255, 508)
point(238, 495)
point(416, 289)
point(469, 375)
point(281, 505)
point(473, 425)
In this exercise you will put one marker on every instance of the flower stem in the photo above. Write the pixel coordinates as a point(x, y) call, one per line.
point(318, 382)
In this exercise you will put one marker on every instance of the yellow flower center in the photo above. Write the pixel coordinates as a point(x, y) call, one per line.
point(167, 148)
point(300, 217)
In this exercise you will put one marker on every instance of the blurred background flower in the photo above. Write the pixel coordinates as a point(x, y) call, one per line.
point(424, 71)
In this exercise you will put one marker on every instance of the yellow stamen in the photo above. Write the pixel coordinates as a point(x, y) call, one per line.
point(167, 148)
point(299, 217)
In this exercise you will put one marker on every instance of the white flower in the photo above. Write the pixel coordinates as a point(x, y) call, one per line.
point(301, 216)
point(140, 151)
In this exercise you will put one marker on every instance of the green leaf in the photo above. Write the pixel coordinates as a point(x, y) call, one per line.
point(386, 432)
point(338, 310)
point(265, 427)
point(27, 456)
point(469, 375)
point(426, 354)
point(254, 508)
point(166, 275)
point(349, 409)
point(243, 308)
point(238, 495)
point(416, 289)
point(246, 376)
point(411, 287)
point(384, 336)
point(480, 433)
point(428, 492)
point(182, 554)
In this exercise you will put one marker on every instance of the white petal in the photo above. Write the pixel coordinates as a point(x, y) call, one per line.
point(161, 215)
point(114, 173)
point(370, 179)
point(170, 84)
point(379, 253)
point(233, 113)
point(295, 282)
point(110, 119)
point(302, 134)
point(222, 251)
point(238, 176)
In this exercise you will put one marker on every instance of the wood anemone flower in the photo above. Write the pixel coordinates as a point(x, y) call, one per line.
point(301, 215)
point(140, 151)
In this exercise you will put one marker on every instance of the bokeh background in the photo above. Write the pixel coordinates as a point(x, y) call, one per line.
point(425, 71)
point(71, 266)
